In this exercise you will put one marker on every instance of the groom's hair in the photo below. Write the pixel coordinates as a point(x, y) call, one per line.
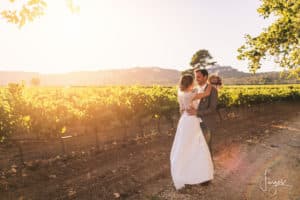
point(204, 72)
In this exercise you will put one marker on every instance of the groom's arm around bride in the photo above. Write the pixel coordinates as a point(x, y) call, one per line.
point(207, 111)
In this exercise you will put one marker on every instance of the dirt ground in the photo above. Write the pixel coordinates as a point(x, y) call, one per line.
point(256, 156)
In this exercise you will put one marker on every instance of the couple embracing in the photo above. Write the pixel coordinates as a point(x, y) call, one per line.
point(191, 155)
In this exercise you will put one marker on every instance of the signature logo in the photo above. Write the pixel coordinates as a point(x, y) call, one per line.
point(271, 186)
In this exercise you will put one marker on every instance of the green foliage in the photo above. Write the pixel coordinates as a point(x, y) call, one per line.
point(255, 94)
point(13, 115)
point(201, 59)
point(281, 40)
point(51, 112)
point(30, 10)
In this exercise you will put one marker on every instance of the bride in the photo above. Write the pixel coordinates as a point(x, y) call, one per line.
point(190, 158)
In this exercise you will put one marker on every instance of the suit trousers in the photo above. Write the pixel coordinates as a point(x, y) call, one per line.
point(208, 136)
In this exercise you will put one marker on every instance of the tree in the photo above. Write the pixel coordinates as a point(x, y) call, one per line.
point(29, 11)
point(281, 40)
point(201, 59)
point(35, 81)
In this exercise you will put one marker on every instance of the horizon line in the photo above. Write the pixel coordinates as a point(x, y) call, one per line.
point(124, 68)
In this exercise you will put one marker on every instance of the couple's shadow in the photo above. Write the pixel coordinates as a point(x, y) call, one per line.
point(189, 187)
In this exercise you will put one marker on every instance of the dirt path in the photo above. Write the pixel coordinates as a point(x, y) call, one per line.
point(241, 168)
point(244, 147)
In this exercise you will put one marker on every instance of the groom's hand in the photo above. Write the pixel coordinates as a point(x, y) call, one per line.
point(192, 111)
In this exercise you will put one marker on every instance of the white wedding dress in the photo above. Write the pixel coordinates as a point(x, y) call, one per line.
point(190, 158)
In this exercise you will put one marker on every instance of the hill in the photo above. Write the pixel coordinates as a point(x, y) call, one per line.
point(140, 76)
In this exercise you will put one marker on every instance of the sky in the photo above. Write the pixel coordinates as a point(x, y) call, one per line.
point(116, 34)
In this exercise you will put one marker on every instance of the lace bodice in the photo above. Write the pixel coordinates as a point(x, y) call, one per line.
point(184, 99)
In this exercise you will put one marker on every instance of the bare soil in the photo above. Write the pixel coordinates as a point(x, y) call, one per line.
point(256, 156)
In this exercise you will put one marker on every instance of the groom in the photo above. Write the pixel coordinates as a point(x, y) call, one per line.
point(207, 108)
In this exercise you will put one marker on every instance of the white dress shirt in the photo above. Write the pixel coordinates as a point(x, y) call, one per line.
point(201, 89)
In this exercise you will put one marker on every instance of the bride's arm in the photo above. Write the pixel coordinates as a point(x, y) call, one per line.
point(181, 107)
point(206, 93)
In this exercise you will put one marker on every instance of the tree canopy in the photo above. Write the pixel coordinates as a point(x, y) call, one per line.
point(29, 10)
point(201, 59)
point(281, 40)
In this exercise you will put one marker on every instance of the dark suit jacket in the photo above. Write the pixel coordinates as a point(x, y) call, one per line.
point(207, 109)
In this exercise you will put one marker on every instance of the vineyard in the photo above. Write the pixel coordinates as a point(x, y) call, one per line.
point(45, 112)
point(106, 142)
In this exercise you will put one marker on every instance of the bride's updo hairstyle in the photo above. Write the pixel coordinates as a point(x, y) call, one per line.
point(185, 82)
